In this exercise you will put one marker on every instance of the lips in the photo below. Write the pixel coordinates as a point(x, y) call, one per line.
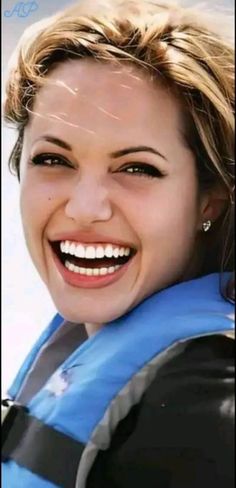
point(89, 238)
point(83, 264)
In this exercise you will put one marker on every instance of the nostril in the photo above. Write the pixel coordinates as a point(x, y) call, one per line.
point(89, 205)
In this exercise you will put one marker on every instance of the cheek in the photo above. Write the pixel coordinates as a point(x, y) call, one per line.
point(36, 205)
point(167, 212)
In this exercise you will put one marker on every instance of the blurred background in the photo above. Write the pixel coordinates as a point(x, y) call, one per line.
point(26, 305)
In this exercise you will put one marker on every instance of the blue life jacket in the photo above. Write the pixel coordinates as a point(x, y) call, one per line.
point(111, 370)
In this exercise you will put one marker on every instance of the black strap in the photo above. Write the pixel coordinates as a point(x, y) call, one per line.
point(39, 448)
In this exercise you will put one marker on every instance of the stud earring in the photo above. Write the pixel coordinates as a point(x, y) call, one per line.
point(206, 225)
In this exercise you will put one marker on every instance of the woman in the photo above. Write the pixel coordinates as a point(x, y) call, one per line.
point(125, 161)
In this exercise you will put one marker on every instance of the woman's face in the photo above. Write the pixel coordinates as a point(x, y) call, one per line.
point(109, 195)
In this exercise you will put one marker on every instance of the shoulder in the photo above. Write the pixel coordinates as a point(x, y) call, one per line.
point(202, 367)
point(194, 391)
point(181, 434)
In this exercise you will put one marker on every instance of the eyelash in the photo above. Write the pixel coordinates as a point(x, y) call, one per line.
point(40, 160)
point(138, 169)
point(142, 169)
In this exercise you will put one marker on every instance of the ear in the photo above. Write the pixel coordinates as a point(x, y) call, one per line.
point(213, 204)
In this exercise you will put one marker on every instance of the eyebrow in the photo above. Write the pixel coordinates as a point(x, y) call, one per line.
point(135, 149)
point(115, 154)
point(56, 141)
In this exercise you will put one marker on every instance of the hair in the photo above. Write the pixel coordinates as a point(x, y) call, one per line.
point(182, 47)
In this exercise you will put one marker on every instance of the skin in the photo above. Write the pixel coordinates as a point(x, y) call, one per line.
point(98, 109)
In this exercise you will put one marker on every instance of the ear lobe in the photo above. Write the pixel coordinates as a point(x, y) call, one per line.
point(213, 204)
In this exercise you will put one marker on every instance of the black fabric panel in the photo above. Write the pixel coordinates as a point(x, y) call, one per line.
point(181, 435)
point(41, 449)
point(64, 342)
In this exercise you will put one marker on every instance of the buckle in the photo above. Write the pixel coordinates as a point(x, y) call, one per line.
point(5, 406)
point(10, 412)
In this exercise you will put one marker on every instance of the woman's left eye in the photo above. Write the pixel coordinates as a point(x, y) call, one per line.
point(142, 169)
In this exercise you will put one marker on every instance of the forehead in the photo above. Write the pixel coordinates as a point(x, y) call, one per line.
point(88, 97)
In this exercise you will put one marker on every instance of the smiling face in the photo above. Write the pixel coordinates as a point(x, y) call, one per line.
point(109, 194)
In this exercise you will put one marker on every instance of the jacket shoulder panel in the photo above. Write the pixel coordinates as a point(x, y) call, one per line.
point(181, 434)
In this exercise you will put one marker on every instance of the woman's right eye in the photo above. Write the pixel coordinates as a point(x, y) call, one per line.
point(50, 160)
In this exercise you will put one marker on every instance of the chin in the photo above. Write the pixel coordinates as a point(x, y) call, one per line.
point(97, 315)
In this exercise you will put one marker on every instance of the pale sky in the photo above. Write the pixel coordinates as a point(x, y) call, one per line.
point(26, 305)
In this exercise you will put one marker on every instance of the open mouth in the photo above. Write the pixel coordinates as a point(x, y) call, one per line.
point(92, 260)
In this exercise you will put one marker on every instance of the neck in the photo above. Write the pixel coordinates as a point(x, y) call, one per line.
point(91, 329)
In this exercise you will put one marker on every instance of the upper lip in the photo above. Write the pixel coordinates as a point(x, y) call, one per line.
point(90, 238)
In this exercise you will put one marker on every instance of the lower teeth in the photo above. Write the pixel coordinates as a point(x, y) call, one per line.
point(91, 271)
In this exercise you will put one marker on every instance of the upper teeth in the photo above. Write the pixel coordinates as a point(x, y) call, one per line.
point(93, 252)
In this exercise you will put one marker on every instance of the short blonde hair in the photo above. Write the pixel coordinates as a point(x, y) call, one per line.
point(180, 46)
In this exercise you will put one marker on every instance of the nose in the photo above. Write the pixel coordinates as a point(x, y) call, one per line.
point(89, 202)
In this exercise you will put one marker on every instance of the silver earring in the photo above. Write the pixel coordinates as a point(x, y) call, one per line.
point(206, 225)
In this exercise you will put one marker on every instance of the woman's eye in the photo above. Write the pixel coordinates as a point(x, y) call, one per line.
point(142, 169)
point(50, 160)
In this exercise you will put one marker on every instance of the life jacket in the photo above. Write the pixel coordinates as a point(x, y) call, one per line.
point(109, 373)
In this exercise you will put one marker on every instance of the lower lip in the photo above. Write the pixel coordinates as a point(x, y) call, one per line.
point(84, 281)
